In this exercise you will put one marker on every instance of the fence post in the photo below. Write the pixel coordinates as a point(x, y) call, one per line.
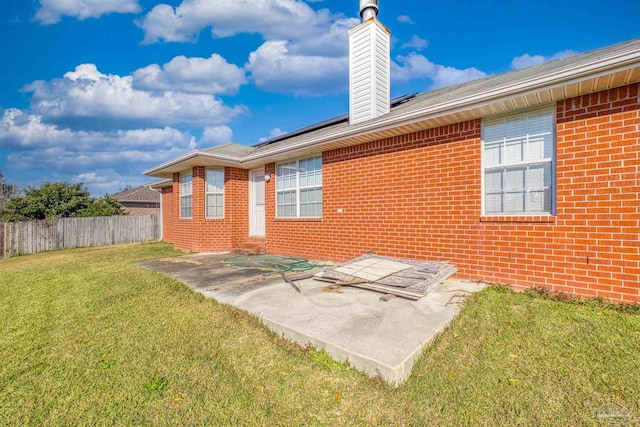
point(2, 244)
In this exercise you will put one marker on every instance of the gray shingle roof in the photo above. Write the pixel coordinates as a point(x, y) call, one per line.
point(612, 61)
point(138, 194)
point(230, 149)
point(450, 93)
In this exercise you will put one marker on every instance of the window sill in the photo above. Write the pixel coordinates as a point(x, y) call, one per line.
point(539, 219)
point(314, 219)
point(217, 218)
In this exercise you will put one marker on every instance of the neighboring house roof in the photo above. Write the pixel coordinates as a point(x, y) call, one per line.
point(590, 72)
point(142, 194)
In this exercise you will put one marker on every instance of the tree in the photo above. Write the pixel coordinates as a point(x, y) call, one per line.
point(7, 191)
point(58, 200)
point(104, 206)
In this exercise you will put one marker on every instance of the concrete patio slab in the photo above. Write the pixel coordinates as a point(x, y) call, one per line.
point(380, 338)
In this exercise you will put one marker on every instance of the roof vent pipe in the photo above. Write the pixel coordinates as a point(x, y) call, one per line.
point(368, 9)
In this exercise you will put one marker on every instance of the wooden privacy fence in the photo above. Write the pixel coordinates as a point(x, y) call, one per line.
point(29, 237)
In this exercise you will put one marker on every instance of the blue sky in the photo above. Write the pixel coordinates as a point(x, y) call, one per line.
point(96, 91)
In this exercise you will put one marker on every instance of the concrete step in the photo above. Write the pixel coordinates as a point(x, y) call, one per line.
point(252, 246)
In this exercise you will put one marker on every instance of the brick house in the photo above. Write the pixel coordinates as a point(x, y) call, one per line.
point(531, 177)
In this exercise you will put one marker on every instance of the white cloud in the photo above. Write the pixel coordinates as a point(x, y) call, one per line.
point(214, 135)
point(101, 181)
point(305, 50)
point(405, 19)
point(416, 43)
point(527, 60)
point(19, 129)
point(273, 68)
point(82, 156)
point(213, 75)
point(330, 41)
point(416, 66)
point(51, 11)
point(86, 97)
point(275, 132)
point(274, 19)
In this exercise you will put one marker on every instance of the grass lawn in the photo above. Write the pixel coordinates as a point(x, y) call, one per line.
point(88, 338)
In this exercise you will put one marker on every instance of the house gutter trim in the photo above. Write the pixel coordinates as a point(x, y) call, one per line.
point(617, 63)
point(621, 61)
point(189, 156)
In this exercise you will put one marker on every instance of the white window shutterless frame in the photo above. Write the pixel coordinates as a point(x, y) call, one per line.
point(518, 160)
point(185, 190)
point(214, 193)
point(299, 188)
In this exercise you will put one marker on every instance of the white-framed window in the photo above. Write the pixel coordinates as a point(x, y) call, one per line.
point(299, 188)
point(518, 157)
point(214, 193)
point(186, 191)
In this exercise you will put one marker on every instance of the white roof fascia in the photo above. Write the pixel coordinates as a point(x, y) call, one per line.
point(192, 155)
point(614, 63)
point(594, 69)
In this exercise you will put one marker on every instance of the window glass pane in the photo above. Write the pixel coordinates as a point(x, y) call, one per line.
point(215, 180)
point(286, 204)
point(514, 150)
point(527, 155)
point(514, 179)
point(185, 183)
point(540, 147)
point(492, 153)
point(311, 202)
point(514, 127)
point(215, 207)
point(311, 172)
point(493, 132)
point(214, 188)
point(539, 201)
point(286, 176)
point(185, 206)
point(493, 203)
point(493, 181)
point(539, 176)
point(514, 202)
point(302, 181)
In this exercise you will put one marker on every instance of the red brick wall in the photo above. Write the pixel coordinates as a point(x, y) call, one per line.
point(237, 192)
point(200, 234)
point(419, 196)
point(167, 214)
point(413, 196)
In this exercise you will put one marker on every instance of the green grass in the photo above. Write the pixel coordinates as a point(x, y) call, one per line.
point(88, 338)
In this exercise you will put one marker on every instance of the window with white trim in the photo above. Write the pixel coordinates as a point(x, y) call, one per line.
point(518, 163)
point(214, 193)
point(299, 188)
point(186, 190)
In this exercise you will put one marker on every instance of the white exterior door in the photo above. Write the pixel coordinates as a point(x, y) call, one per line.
point(256, 203)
